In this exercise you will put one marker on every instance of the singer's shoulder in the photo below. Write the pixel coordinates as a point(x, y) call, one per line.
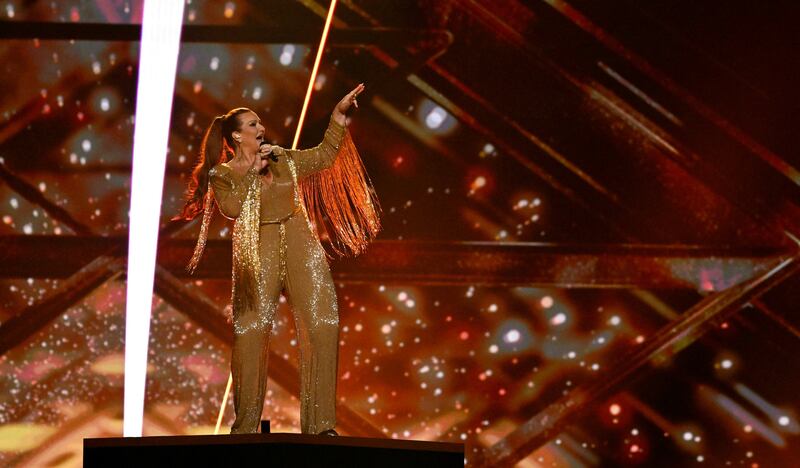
point(221, 169)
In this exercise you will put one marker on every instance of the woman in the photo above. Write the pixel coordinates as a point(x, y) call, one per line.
point(277, 197)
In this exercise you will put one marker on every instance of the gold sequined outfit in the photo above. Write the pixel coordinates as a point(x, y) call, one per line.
point(274, 249)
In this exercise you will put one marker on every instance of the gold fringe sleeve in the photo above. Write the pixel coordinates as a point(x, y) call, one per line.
point(342, 202)
point(208, 211)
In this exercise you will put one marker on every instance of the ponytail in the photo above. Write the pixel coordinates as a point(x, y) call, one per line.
point(210, 155)
point(215, 148)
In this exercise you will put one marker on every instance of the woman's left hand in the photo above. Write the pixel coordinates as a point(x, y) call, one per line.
point(349, 100)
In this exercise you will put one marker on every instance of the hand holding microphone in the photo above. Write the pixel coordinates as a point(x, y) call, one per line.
point(265, 154)
point(265, 150)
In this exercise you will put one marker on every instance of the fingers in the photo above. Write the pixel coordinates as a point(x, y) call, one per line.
point(355, 92)
point(264, 150)
point(349, 99)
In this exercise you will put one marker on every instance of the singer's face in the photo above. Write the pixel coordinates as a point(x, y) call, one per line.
point(251, 130)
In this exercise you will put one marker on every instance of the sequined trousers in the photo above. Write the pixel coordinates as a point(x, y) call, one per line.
point(292, 260)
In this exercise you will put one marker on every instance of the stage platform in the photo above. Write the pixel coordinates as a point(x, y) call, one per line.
point(269, 450)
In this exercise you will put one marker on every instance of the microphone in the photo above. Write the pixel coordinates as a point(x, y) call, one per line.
point(272, 156)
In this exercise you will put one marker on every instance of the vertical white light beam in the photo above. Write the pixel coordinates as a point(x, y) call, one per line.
point(158, 58)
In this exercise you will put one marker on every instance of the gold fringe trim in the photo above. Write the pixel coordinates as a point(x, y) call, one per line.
point(248, 291)
point(342, 202)
point(199, 248)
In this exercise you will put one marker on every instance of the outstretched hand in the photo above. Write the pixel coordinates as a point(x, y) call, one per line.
point(348, 100)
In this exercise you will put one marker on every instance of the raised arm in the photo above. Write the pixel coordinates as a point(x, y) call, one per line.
point(322, 156)
point(230, 189)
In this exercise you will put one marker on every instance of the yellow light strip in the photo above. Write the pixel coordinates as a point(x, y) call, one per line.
point(224, 404)
point(300, 121)
point(314, 73)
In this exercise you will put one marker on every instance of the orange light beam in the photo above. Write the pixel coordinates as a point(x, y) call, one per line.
point(314, 70)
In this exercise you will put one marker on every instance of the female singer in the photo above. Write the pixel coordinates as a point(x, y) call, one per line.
point(277, 198)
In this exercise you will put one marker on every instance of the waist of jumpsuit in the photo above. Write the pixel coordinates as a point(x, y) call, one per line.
point(282, 219)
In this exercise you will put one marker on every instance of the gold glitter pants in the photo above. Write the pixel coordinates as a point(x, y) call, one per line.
point(292, 260)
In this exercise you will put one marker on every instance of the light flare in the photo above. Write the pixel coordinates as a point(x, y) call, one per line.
point(161, 33)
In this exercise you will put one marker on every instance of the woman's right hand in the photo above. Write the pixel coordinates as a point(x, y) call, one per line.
point(263, 155)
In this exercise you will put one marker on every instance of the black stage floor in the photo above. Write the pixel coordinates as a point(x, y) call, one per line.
point(272, 450)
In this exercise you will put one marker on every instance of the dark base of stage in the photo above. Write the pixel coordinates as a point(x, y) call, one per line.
point(273, 450)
